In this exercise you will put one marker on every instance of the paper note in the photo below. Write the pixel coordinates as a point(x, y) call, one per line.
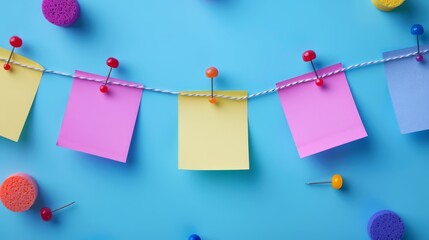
point(321, 118)
point(408, 82)
point(100, 124)
point(18, 87)
point(213, 136)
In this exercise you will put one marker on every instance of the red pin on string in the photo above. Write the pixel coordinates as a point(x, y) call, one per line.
point(112, 63)
point(309, 56)
point(46, 213)
point(16, 42)
point(211, 73)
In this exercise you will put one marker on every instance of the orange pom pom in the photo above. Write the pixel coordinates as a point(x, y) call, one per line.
point(18, 192)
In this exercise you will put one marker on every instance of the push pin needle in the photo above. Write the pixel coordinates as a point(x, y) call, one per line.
point(336, 182)
point(112, 63)
point(211, 73)
point(418, 30)
point(16, 42)
point(309, 56)
point(46, 213)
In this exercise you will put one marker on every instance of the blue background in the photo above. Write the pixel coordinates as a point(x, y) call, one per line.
point(254, 44)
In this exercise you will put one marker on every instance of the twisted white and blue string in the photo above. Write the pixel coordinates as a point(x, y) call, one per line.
point(254, 95)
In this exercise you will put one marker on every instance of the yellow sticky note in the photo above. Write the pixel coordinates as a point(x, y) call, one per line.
point(18, 87)
point(213, 136)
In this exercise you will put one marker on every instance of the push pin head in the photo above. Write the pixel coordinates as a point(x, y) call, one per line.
point(46, 213)
point(336, 182)
point(309, 56)
point(15, 42)
point(418, 30)
point(6, 66)
point(213, 100)
point(319, 82)
point(104, 88)
point(194, 237)
point(112, 63)
point(211, 73)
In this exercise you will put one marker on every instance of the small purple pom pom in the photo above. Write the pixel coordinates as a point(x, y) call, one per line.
point(385, 225)
point(61, 12)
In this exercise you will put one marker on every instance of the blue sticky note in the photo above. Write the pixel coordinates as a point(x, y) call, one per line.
point(408, 82)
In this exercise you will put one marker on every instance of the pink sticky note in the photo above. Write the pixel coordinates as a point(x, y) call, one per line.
point(321, 118)
point(100, 124)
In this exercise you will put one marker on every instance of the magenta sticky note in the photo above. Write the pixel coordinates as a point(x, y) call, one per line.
point(321, 118)
point(100, 124)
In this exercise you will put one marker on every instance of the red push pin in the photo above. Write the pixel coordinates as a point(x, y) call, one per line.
point(309, 56)
point(211, 73)
point(112, 63)
point(46, 213)
point(16, 42)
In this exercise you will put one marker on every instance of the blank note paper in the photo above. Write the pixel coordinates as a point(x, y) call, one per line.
point(100, 124)
point(321, 118)
point(18, 87)
point(408, 82)
point(213, 137)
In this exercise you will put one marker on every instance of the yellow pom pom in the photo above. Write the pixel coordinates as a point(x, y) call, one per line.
point(387, 5)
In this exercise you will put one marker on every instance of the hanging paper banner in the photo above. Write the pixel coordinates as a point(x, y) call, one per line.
point(100, 124)
point(324, 117)
point(213, 136)
point(18, 87)
point(408, 82)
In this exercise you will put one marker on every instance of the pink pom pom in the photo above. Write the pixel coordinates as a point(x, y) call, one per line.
point(62, 13)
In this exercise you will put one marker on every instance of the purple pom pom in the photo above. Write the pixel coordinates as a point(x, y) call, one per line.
point(385, 225)
point(61, 12)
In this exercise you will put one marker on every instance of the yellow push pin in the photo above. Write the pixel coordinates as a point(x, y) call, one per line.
point(387, 5)
point(336, 182)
